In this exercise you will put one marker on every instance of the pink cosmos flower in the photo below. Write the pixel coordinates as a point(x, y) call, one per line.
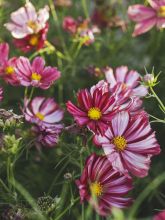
point(32, 41)
point(26, 21)
point(129, 143)
point(36, 74)
point(87, 37)
point(47, 137)
point(160, 216)
point(95, 109)
point(147, 17)
point(70, 24)
point(7, 66)
point(102, 186)
point(129, 79)
point(43, 112)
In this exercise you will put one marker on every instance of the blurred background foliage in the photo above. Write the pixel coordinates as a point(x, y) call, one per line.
point(53, 171)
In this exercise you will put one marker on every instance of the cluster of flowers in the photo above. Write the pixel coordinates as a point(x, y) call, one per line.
point(112, 111)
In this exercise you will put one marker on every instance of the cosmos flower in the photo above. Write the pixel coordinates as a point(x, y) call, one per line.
point(102, 186)
point(36, 74)
point(47, 137)
point(32, 41)
point(95, 109)
point(42, 111)
point(26, 21)
point(70, 25)
point(129, 143)
point(160, 216)
point(147, 17)
point(129, 79)
point(87, 37)
point(7, 66)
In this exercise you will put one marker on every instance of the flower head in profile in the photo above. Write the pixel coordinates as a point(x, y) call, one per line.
point(129, 143)
point(43, 111)
point(160, 216)
point(70, 25)
point(36, 74)
point(102, 186)
point(95, 108)
point(129, 79)
point(8, 66)
point(26, 21)
point(47, 136)
point(147, 17)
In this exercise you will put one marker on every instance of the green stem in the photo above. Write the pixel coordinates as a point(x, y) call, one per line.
point(152, 186)
point(158, 99)
point(26, 92)
point(31, 94)
point(84, 5)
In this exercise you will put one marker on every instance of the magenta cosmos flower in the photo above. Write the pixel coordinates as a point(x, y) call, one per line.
point(102, 186)
point(47, 137)
point(147, 17)
point(70, 25)
point(7, 66)
point(95, 109)
point(160, 216)
point(129, 79)
point(36, 74)
point(129, 143)
point(26, 21)
point(43, 112)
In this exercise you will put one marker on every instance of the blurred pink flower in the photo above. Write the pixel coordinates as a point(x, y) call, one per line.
point(32, 41)
point(129, 79)
point(26, 21)
point(102, 186)
point(42, 111)
point(36, 74)
point(87, 37)
point(95, 109)
point(70, 25)
point(129, 143)
point(160, 216)
point(8, 66)
point(1, 93)
point(147, 17)
point(47, 137)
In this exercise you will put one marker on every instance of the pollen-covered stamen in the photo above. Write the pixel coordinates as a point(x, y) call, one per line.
point(9, 70)
point(40, 116)
point(34, 40)
point(161, 11)
point(36, 77)
point(94, 113)
point(120, 143)
point(33, 25)
point(96, 189)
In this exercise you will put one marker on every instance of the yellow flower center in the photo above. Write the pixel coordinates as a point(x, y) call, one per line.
point(9, 70)
point(34, 39)
point(161, 11)
point(40, 116)
point(33, 25)
point(96, 189)
point(36, 76)
point(94, 114)
point(120, 143)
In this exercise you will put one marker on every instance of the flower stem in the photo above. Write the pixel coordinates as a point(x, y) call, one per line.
point(31, 94)
point(158, 99)
point(84, 5)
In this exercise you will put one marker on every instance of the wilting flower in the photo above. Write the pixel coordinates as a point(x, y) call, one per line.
point(70, 24)
point(160, 216)
point(26, 21)
point(95, 109)
point(42, 111)
point(129, 79)
point(102, 186)
point(47, 136)
point(129, 143)
point(32, 41)
point(36, 74)
point(147, 17)
point(7, 66)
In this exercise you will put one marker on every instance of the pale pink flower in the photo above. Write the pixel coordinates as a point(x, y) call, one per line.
point(129, 144)
point(42, 111)
point(147, 17)
point(129, 79)
point(26, 21)
point(36, 74)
